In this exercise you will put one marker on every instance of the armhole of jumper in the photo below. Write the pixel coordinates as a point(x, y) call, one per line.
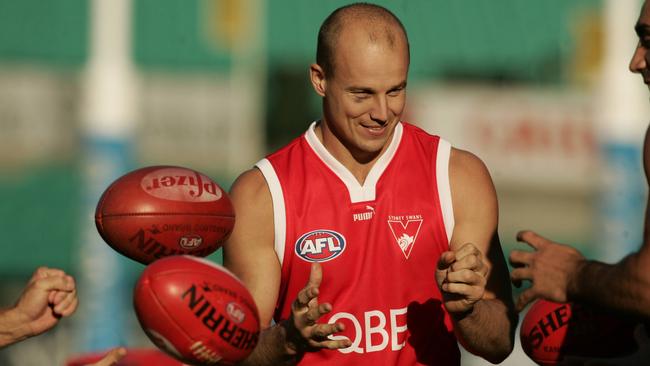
point(444, 188)
point(277, 197)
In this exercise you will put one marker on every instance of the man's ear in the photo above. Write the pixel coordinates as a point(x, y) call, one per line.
point(317, 76)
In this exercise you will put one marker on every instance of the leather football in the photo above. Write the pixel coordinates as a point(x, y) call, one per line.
point(159, 211)
point(551, 331)
point(196, 311)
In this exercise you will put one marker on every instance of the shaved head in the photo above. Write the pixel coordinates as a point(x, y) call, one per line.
point(379, 24)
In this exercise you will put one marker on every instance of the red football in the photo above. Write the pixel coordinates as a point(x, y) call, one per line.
point(158, 211)
point(134, 357)
point(196, 311)
point(550, 331)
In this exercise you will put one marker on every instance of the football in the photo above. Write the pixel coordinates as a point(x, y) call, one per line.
point(551, 331)
point(159, 211)
point(196, 311)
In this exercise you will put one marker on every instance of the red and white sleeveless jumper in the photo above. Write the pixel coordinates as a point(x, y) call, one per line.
point(378, 244)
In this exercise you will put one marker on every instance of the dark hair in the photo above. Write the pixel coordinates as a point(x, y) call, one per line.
point(331, 28)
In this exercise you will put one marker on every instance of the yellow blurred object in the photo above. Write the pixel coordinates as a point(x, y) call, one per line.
point(229, 23)
point(588, 54)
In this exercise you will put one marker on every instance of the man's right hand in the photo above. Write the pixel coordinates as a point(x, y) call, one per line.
point(303, 332)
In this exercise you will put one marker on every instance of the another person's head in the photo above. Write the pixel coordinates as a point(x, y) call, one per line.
point(361, 70)
point(641, 58)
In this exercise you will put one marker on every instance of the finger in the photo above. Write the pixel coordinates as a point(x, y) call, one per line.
point(53, 272)
point(470, 261)
point(39, 273)
point(521, 274)
point(331, 344)
point(316, 312)
point(71, 280)
point(316, 275)
point(465, 276)
point(525, 298)
point(42, 272)
point(310, 291)
point(464, 290)
point(68, 305)
point(55, 283)
point(70, 309)
point(51, 297)
point(324, 308)
point(325, 330)
point(111, 357)
point(305, 296)
point(520, 258)
point(324, 336)
point(445, 260)
point(467, 249)
point(532, 238)
point(56, 297)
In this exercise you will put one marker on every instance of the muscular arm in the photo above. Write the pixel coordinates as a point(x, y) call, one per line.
point(253, 233)
point(623, 286)
point(487, 327)
point(560, 273)
point(12, 330)
point(250, 254)
point(626, 284)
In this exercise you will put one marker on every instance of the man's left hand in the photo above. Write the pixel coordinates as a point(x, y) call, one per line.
point(462, 276)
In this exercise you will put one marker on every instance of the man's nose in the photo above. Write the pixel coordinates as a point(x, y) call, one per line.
point(638, 61)
point(379, 112)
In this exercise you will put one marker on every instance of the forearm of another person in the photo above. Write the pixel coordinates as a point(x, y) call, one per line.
point(624, 285)
point(561, 273)
point(12, 330)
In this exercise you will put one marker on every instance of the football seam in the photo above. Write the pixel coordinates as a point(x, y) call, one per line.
point(222, 270)
point(168, 315)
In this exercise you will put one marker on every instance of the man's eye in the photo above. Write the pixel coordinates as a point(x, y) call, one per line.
point(395, 92)
point(645, 42)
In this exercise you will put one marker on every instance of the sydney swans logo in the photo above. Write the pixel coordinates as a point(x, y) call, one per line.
point(405, 230)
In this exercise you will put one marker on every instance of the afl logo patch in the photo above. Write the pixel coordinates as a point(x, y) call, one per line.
point(320, 245)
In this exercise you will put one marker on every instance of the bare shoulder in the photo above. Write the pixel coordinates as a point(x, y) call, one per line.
point(253, 205)
point(467, 171)
point(249, 251)
point(473, 195)
point(250, 184)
